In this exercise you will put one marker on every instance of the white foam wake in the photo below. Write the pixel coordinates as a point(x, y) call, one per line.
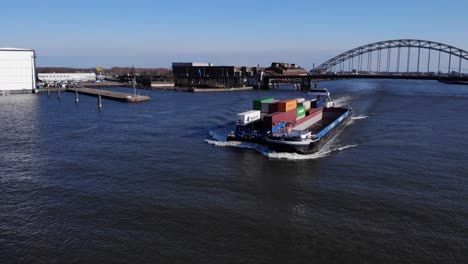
point(295, 156)
point(342, 101)
point(360, 117)
point(236, 144)
point(218, 140)
point(343, 148)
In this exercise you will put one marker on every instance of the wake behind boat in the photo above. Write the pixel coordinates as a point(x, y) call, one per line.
point(294, 125)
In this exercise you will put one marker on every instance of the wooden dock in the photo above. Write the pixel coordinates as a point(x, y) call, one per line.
point(117, 96)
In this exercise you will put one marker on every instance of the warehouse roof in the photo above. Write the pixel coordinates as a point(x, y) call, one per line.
point(15, 49)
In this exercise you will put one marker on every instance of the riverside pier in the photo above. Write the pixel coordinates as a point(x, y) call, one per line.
point(116, 96)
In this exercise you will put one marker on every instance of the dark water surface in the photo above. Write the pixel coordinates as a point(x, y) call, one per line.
point(149, 183)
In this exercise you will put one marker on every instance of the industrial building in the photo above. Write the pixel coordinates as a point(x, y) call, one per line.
point(17, 71)
point(286, 73)
point(285, 69)
point(208, 75)
point(67, 77)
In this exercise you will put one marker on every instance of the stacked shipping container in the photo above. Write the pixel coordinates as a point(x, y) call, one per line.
point(270, 106)
point(300, 112)
point(257, 104)
point(287, 105)
point(278, 113)
point(306, 104)
point(275, 113)
point(274, 119)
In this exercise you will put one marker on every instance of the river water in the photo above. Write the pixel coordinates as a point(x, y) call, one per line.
point(155, 182)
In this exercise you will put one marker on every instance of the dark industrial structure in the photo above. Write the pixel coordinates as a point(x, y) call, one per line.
point(390, 59)
point(285, 73)
point(193, 74)
point(285, 69)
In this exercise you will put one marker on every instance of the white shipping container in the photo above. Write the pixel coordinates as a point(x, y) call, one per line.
point(300, 100)
point(266, 105)
point(306, 104)
point(248, 117)
point(17, 70)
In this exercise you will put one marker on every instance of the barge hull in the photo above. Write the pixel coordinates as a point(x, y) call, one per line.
point(306, 147)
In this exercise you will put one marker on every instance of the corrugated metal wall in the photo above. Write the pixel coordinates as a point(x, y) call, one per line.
point(17, 70)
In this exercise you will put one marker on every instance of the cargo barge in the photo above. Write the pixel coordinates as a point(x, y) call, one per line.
point(294, 125)
point(310, 136)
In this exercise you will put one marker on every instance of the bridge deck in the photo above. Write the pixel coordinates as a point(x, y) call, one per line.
point(315, 77)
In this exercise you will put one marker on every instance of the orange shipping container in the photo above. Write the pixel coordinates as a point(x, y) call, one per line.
point(287, 105)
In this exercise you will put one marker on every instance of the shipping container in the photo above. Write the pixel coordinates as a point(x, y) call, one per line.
point(270, 107)
point(273, 107)
point(257, 104)
point(287, 105)
point(271, 120)
point(248, 117)
point(306, 104)
point(300, 100)
point(301, 111)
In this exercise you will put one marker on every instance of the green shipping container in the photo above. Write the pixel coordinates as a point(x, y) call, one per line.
point(257, 104)
point(301, 111)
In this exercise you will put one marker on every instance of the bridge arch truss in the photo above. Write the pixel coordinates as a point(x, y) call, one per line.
point(389, 45)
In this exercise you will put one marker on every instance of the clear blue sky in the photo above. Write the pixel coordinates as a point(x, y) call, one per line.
point(156, 33)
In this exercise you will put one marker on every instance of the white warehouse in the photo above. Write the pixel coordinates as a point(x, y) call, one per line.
point(67, 77)
point(17, 70)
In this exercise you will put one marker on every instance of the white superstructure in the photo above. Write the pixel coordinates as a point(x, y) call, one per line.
point(323, 97)
point(17, 70)
point(67, 77)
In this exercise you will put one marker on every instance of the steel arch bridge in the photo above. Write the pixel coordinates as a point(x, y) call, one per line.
point(389, 45)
